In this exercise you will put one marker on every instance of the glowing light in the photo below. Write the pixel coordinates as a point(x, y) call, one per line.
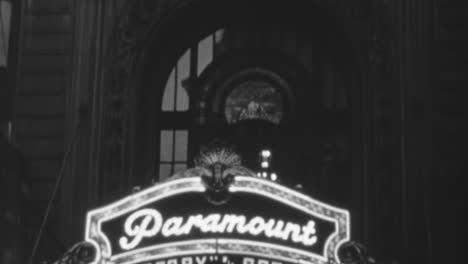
point(259, 174)
point(94, 218)
point(273, 176)
point(265, 164)
point(138, 232)
point(303, 203)
point(167, 250)
point(266, 153)
point(138, 226)
point(142, 224)
point(271, 251)
point(264, 174)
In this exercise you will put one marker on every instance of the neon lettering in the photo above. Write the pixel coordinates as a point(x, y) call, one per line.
point(309, 234)
point(230, 222)
point(148, 222)
point(187, 260)
point(200, 260)
point(211, 224)
point(278, 230)
point(248, 261)
point(256, 225)
point(139, 231)
point(293, 230)
point(269, 228)
point(172, 227)
point(191, 222)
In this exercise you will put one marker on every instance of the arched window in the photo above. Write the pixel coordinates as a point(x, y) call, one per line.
point(175, 107)
point(263, 91)
point(5, 21)
point(254, 100)
point(8, 27)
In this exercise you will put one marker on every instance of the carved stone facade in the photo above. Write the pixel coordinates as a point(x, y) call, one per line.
point(136, 33)
point(368, 27)
point(384, 53)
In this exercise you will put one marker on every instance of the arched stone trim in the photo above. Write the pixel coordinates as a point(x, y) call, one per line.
point(139, 34)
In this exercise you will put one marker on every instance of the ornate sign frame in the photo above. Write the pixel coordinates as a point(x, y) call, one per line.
point(219, 245)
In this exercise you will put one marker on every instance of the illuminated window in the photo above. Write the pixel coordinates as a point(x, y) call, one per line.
point(5, 18)
point(173, 152)
point(175, 95)
point(266, 168)
point(176, 98)
point(205, 53)
point(175, 105)
point(254, 99)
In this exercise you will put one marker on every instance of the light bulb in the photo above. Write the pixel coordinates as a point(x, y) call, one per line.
point(266, 153)
point(274, 177)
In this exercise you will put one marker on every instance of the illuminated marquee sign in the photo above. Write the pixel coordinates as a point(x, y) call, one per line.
point(262, 222)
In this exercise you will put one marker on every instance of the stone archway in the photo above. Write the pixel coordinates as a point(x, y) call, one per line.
point(142, 43)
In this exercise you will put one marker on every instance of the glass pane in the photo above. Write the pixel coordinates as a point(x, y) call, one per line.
point(254, 99)
point(183, 73)
point(219, 36)
point(169, 93)
point(179, 167)
point(181, 137)
point(165, 170)
point(205, 53)
point(167, 140)
point(5, 16)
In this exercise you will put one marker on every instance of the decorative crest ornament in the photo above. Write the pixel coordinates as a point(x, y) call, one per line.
point(222, 163)
point(218, 151)
point(80, 253)
point(173, 220)
point(217, 164)
point(352, 252)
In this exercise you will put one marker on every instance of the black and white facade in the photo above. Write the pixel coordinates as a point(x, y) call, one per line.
point(346, 115)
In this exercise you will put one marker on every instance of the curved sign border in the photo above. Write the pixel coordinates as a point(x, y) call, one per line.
point(241, 184)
